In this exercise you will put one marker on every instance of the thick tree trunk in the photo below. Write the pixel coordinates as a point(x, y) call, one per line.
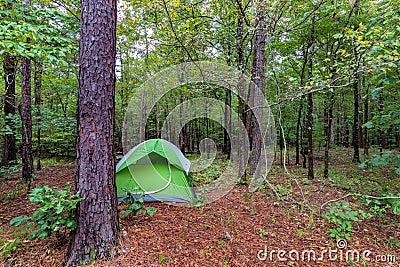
point(299, 136)
point(241, 66)
point(97, 233)
point(9, 151)
point(26, 118)
point(258, 78)
point(37, 88)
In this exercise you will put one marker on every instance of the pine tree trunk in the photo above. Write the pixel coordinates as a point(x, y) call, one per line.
point(97, 233)
point(9, 150)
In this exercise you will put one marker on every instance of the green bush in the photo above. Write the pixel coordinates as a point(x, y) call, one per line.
point(342, 217)
point(54, 215)
point(136, 206)
point(379, 205)
point(381, 160)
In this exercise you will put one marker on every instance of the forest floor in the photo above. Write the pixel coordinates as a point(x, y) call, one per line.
point(232, 230)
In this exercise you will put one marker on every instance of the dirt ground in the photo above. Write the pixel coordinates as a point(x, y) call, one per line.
point(236, 230)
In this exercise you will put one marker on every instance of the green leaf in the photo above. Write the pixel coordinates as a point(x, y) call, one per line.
point(17, 221)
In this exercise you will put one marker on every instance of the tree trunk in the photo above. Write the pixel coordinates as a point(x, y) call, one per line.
point(366, 113)
point(356, 142)
point(258, 78)
point(381, 133)
point(309, 125)
point(241, 66)
point(356, 133)
point(298, 132)
point(26, 117)
point(227, 122)
point(9, 151)
point(97, 217)
point(346, 135)
point(328, 133)
point(37, 88)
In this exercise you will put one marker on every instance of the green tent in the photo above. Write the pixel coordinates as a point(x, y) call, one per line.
point(159, 169)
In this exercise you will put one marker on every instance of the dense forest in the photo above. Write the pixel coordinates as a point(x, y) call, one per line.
point(328, 77)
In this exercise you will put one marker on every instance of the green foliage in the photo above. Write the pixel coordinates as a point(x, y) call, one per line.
point(9, 247)
point(381, 160)
point(262, 232)
point(163, 259)
point(283, 190)
point(6, 171)
point(210, 173)
point(380, 205)
point(55, 212)
point(342, 217)
point(14, 193)
point(199, 199)
point(136, 206)
point(52, 32)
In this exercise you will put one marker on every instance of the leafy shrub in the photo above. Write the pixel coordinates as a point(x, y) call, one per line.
point(55, 212)
point(342, 216)
point(7, 171)
point(384, 159)
point(199, 199)
point(8, 247)
point(379, 205)
point(136, 206)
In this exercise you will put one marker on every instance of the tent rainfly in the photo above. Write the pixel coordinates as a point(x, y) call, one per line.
point(157, 168)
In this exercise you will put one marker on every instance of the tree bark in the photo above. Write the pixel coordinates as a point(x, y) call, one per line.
point(356, 132)
point(356, 141)
point(97, 217)
point(258, 78)
point(227, 121)
point(299, 137)
point(37, 88)
point(298, 132)
point(26, 117)
point(381, 132)
point(366, 113)
point(328, 132)
point(309, 125)
point(9, 150)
